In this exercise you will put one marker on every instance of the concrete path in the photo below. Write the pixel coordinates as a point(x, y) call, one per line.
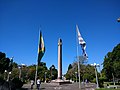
point(74, 86)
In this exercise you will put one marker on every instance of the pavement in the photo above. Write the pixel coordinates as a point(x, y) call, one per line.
point(73, 86)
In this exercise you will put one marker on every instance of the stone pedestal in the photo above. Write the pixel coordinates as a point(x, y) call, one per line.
point(60, 82)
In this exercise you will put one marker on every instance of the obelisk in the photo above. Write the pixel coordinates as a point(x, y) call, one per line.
point(60, 58)
point(59, 80)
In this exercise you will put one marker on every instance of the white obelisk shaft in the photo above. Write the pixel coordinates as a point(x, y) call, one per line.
point(59, 59)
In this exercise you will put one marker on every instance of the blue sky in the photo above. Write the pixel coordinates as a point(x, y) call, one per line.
point(20, 21)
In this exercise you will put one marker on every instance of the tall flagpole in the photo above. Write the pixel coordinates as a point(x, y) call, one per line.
point(78, 57)
point(36, 73)
point(37, 62)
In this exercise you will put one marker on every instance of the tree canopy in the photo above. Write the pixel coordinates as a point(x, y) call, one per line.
point(111, 64)
point(86, 72)
point(4, 62)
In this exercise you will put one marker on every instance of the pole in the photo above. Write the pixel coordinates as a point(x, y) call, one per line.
point(37, 63)
point(45, 76)
point(113, 79)
point(5, 74)
point(96, 76)
point(8, 77)
point(20, 73)
point(76, 76)
point(78, 59)
point(36, 74)
point(79, 73)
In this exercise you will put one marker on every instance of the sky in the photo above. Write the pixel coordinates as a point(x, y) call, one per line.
point(21, 20)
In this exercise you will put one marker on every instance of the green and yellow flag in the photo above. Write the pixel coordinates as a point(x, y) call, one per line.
point(41, 48)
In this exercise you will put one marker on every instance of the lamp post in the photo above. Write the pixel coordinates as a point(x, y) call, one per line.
point(113, 78)
point(52, 72)
point(95, 66)
point(20, 70)
point(5, 74)
point(8, 78)
point(45, 76)
point(76, 76)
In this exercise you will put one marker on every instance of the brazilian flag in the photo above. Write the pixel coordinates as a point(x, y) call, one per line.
point(41, 48)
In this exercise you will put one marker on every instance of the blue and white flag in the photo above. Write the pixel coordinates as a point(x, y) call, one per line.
point(81, 42)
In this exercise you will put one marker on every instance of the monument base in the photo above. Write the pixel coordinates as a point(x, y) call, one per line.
point(60, 82)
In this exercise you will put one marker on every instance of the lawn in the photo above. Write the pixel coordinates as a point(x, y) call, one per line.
point(107, 89)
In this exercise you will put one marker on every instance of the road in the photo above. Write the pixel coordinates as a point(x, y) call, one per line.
point(74, 86)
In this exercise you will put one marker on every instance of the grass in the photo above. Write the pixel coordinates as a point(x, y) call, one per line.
point(107, 89)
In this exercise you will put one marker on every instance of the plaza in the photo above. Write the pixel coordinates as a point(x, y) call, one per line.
point(73, 86)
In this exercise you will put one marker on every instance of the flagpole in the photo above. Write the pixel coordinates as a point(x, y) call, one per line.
point(78, 58)
point(36, 73)
point(37, 63)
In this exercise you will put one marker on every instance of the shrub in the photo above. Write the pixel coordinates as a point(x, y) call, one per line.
point(18, 83)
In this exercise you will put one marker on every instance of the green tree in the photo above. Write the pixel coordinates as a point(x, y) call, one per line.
point(53, 72)
point(15, 65)
point(15, 73)
point(72, 68)
point(4, 62)
point(111, 64)
point(69, 67)
point(86, 72)
point(31, 72)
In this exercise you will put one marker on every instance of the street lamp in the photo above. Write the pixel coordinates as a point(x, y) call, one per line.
point(45, 76)
point(8, 76)
point(95, 66)
point(76, 76)
point(5, 73)
point(20, 70)
point(52, 72)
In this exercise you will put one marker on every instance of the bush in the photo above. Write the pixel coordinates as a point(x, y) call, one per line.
point(18, 83)
point(101, 82)
point(111, 83)
point(1, 81)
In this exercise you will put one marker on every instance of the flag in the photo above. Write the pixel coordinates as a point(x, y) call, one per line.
point(41, 48)
point(81, 42)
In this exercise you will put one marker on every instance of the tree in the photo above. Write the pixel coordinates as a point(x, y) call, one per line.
point(69, 67)
point(4, 62)
point(15, 65)
point(86, 72)
point(15, 73)
point(53, 72)
point(31, 72)
point(72, 68)
point(111, 64)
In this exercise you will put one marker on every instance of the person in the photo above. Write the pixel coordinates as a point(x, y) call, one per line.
point(31, 83)
point(38, 84)
point(86, 81)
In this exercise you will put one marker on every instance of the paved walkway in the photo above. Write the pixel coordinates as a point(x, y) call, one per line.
point(74, 86)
